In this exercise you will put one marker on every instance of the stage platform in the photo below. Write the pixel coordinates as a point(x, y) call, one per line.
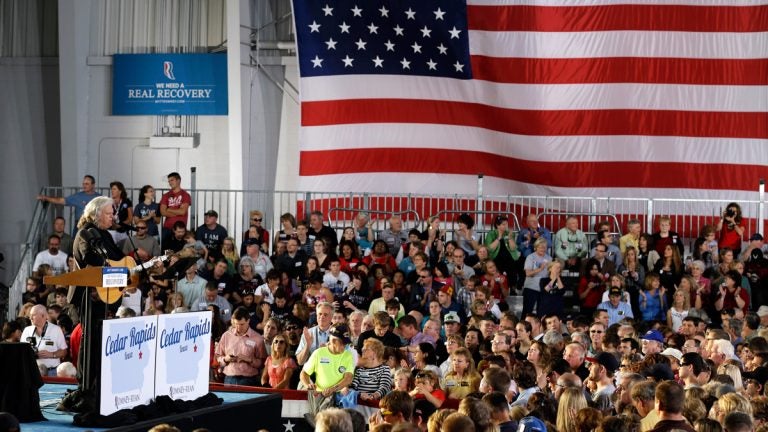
point(257, 410)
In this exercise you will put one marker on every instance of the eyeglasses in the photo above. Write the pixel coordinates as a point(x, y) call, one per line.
point(385, 412)
point(278, 341)
point(596, 331)
point(257, 219)
point(291, 328)
point(140, 227)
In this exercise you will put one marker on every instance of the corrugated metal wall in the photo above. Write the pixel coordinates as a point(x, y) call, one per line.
point(29, 28)
point(146, 26)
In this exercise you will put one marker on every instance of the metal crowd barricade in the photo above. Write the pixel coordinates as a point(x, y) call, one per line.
point(233, 206)
point(349, 214)
point(479, 216)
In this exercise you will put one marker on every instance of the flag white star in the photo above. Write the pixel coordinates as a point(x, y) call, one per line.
point(360, 44)
point(425, 32)
point(328, 11)
point(317, 62)
point(416, 47)
point(454, 33)
point(373, 29)
point(348, 61)
point(331, 44)
point(344, 27)
point(288, 426)
point(459, 67)
point(439, 14)
point(406, 64)
point(411, 14)
point(377, 62)
point(432, 65)
point(398, 30)
point(390, 46)
point(384, 12)
point(356, 11)
point(443, 49)
point(314, 27)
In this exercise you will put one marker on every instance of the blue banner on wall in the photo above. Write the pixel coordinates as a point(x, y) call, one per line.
point(167, 84)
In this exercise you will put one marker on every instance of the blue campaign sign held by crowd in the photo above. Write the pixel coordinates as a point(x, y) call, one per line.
point(169, 84)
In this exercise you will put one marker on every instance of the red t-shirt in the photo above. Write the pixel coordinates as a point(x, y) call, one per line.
point(174, 201)
point(595, 296)
point(74, 342)
point(729, 238)
point(437, 393)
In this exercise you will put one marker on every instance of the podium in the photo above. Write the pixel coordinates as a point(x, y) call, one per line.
point(88, 280)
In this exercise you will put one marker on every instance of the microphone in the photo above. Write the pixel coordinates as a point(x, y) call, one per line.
point(127, 227)
point(93, 236)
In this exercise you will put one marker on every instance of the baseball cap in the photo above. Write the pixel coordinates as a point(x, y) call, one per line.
point(212, 213)
point(672, 352)
point(614, 291)
point(531, 424)
point(447, 289)
point(756, 236)
point(653, 335)
point(451, 317)
point(762, 311)
point(340, 331)
point(608, 361)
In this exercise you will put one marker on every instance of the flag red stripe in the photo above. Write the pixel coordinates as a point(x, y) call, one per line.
point(556, 174)
point(538, 122)
point(621, 70)
point(641, 17)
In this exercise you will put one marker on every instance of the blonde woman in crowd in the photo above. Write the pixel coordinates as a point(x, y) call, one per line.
point(571, 401)
point(462, 379)
point(728, 403)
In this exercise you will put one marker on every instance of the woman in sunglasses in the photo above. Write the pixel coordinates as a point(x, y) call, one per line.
point(279, 366)
point(255, 230)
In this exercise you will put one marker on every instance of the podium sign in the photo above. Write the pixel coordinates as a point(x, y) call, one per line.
point(146, 357)
point(183, 355)
point(128, 348)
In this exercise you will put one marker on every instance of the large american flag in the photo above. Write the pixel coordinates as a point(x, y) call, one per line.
point(544, 97)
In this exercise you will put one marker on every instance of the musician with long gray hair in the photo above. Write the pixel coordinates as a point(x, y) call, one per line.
point(92, 246)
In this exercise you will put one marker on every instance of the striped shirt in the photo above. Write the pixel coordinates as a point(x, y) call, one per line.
point(376, 380)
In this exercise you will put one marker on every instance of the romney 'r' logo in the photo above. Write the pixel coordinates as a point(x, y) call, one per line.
point(168, 70)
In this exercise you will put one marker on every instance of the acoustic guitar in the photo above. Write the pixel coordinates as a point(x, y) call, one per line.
point(112, 295)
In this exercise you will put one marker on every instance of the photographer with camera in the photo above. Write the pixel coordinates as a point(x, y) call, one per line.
point(731, 231)
point(47, 340)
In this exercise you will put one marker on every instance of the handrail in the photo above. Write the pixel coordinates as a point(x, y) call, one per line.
point(28, 249)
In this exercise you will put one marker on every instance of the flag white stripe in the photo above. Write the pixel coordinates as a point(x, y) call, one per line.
point(664, 44)
point(535, 148)
point(540, 96)
point(435, 183)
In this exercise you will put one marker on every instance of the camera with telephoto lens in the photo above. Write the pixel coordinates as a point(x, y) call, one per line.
point(33, 343)
point(730, 212)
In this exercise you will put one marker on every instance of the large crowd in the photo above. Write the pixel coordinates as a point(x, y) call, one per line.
point(616, 332)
